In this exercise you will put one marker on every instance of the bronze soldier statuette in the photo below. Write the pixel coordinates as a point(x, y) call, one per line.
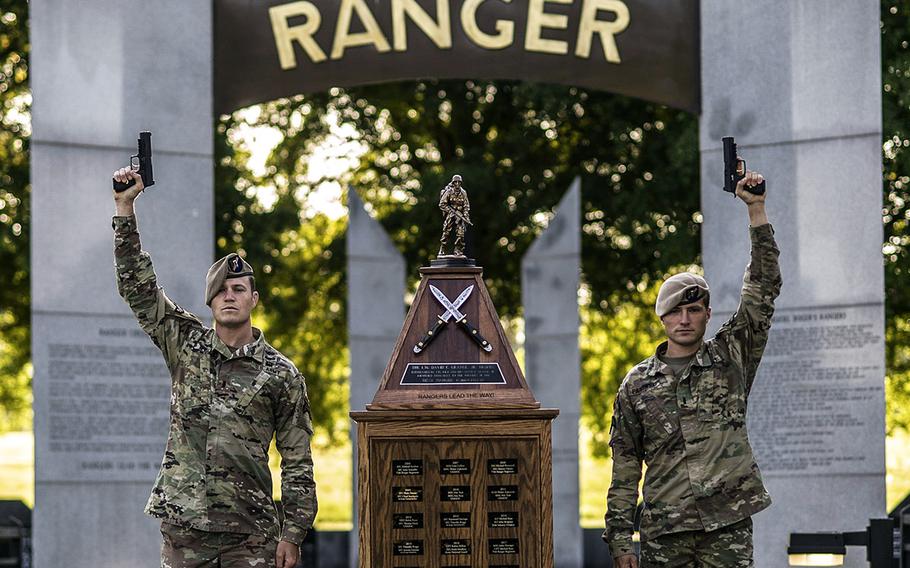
point(454, 204)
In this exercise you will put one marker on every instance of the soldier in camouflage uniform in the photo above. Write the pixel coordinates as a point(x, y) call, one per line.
point(454, 203)
point(682, 412)
point(230, 393)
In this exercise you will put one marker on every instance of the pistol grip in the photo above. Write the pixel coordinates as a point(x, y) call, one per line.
point(756, 190)
point(120, 187)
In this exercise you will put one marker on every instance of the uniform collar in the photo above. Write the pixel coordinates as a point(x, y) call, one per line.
point(702, 358)
point(256, 349)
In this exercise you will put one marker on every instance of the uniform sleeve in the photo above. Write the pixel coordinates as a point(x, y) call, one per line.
point(298, 487)
point(157, 315)
point(746, 333)
point(622, 499)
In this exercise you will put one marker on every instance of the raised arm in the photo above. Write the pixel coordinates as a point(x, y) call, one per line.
point(746, 333)
point(136, 280)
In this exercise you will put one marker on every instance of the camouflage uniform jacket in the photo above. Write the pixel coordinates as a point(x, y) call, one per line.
point(454, 199)
point(225, 407)
point(690, 431)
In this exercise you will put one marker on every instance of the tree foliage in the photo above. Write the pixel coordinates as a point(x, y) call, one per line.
point(518, 147)
point(15, 336)
point(896, 210)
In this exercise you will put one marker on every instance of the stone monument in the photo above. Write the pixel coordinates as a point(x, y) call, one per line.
point(816, 413)
point(100, 391)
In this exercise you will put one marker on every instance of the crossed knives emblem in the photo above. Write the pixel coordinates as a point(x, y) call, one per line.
point(452, 311)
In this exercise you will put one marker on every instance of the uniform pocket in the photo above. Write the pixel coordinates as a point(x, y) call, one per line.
point(192, 389)
point(247, 395)
point(717, 402)
point(654, 417)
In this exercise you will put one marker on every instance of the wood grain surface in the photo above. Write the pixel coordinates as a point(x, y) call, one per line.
point(520, 487)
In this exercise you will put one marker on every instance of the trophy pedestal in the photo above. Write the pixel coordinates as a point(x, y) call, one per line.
point(454, 452)
point(455, 488)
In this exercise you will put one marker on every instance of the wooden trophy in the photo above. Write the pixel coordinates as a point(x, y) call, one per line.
point(454, 452)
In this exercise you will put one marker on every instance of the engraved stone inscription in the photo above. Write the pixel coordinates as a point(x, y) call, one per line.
point(101, 401)
point(502, 493)
point(455, 520)
point(454, 467)
point(407, 548)
point(818, 393)
point(453, 374)
point(503, 546)
point(407, 520)
point(506, 519)
point(502, 467)
point(406, 494)
point(455, 546)
point(407, 467)
point(455, 493)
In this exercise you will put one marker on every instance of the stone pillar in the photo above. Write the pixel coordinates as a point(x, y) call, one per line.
point(376, 285)
point(798, 84)
point(101, 70)
point(549, 292)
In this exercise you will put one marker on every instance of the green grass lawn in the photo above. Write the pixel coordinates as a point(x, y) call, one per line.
point(333, 478)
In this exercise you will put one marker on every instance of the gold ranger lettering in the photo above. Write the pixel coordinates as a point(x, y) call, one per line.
point(295, 25)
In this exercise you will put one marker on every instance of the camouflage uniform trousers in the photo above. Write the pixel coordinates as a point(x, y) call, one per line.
point(453, 223)
point(727, 547)
point(184, 547)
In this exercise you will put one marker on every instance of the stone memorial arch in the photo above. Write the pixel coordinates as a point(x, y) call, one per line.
point(796, 81)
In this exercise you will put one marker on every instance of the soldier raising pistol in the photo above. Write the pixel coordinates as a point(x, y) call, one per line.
point(231, 393)
point(682, 412)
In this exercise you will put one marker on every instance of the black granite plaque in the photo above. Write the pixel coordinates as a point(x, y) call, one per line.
point(408, 521)
point(453, 374)
point(455, 493)
point(407, 467)
point(502, 493)
point(455, 546)
point(502, 467)
point(405, 494)
point(455, 520)
point(503, 519)
point(503, 546)
point(408, 547)
point(455, 467)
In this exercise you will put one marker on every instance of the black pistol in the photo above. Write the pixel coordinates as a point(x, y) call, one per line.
point(734, 169)
point(141, 163)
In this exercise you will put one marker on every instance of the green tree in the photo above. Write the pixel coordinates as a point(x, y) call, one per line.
point(15, 336)
point(896, 210)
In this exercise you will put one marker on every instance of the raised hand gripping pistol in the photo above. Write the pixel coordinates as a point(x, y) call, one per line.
point(141, 162)
point(734, 169)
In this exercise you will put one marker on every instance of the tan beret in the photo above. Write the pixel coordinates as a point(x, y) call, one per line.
point(231, 266)
point(679, 289)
